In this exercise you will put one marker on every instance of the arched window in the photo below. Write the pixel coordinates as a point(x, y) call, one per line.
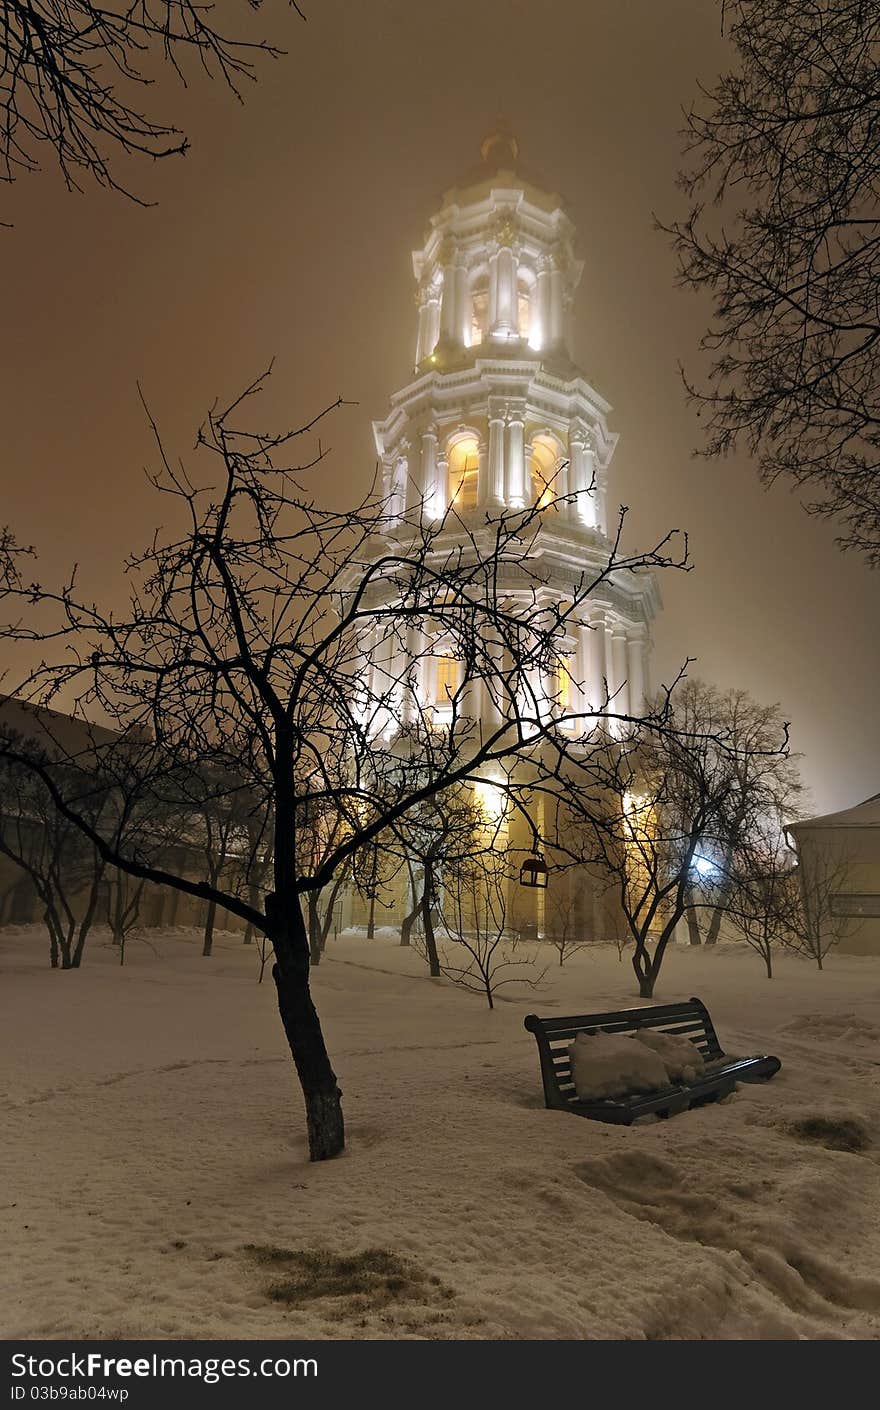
point(479, 314)
point(544, 468)
point(523, 312)
point(447, 678)
point(464, 465)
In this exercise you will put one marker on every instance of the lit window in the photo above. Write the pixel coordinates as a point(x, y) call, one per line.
point(544, 467)
point(464, 464)
point(479, 316)
point(523, 314)
point(562, 684)
point(447, 679)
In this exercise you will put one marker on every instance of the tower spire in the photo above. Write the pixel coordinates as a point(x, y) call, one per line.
point(500, 148)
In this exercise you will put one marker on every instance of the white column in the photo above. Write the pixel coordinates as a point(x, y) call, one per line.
point(505, 314)
point(423, 346)
point(542, 304)
point(443, 480)
point(597, 671)
point(462, 306)
point(618, 682)
point(484, 489)
point(635, 653)
point(492, 311)
point(600, 493)
point(496, 452)
point(433, 321)
point(580, 685)
point(399, 482)
point(515, 491)
point(555, 305)
point(449, 300)
point(411, 656)
point(580, 477)
point(433, 491)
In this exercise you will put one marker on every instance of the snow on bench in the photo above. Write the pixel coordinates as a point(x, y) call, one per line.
point(688, 1019)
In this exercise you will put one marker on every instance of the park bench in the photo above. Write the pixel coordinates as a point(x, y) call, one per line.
point(689, 1019)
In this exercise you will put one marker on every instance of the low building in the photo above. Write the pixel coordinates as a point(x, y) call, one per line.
point(841, 851)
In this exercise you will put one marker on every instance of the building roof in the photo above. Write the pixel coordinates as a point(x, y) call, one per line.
point(865, 814)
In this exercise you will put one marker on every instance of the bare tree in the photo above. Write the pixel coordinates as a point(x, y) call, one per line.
point(242, 651)
point(431, 840)
point(783, 172)
point(65, 870)
point(72, 71)
point(668, 809)
point(125, 894)
point(483, 956)
point(818, 922)
point(763, 896)
point(563, 924)
point(765, 785)
point(373, 870)
point(321, 829)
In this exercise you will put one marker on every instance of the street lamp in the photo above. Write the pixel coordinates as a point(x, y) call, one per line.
point(533, 872)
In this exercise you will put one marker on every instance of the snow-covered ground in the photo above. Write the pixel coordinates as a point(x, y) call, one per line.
point(156, 1181)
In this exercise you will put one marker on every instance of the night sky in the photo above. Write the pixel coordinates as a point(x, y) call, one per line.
point(286, 232)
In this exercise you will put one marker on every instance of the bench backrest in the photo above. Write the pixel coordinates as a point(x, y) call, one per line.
point(688, 1019)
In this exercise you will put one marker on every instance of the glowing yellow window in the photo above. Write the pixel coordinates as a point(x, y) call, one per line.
point(446, 680)
point(479, 316)
point(562, 684)
point(523, 313)
point(464, 464)
point(544, 466)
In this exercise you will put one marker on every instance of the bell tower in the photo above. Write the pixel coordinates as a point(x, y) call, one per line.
point(498, 417)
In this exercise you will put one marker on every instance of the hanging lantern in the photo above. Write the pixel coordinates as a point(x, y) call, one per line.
point(533, 872)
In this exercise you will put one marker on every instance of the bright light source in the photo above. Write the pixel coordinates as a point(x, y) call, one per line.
point(490, 798)
point(704, 866)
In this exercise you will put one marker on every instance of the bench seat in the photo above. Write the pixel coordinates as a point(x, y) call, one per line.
point(689, 1019)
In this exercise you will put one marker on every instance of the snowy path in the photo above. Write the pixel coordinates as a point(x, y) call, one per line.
point(154, 1137)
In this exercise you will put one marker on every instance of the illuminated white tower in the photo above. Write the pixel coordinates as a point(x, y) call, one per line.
point(497, 416)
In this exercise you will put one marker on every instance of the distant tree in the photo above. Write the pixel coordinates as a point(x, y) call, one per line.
point(483, 956)
point(765, 786)
point(124, 897)
point(562, 924)
point(763, 898)
point(432, 839)
point(65, 870)
point(817, 923)
point(321, 828)
point(670, 803)
point(783, 172)
point(373, 869)
point(241, 654)
point(218, 810)
point(72, 69)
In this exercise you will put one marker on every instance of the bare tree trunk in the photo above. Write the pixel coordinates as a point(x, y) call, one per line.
point(693, 924)
point(428, 923)
point(88, 918)
point(254, 901)
point(715, 924)
point(314, 929)
point(209, 929)
point(285, 927)
point(371, 918)
point(53, 942)
point(408, 922)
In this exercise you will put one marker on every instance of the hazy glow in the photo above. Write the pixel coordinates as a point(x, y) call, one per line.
point(490, 799)
point(464, 463)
